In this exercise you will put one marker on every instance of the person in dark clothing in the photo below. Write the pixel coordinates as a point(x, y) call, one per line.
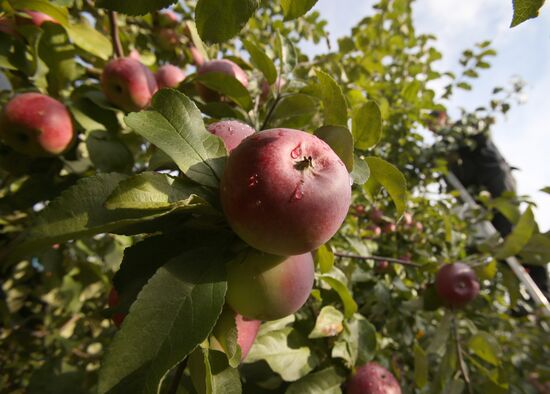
point(478, 164)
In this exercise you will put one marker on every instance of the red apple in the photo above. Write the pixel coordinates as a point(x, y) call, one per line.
point(232, 132)
point(36, 18)
point(265, 88)
point(389, 228)
point(128, 84)
point(372, 378)
point(169, 76)
point(167, 38)
point(456, 284)
point(375, 230)
point(382, 266)
point(196, 56)
point(407, 219)
point(223, 66)
point(36, 125)
point(168, 18)
point(247, 330)
point(267, 287)
point(360, 210)
point(376, 215)
point(113, 301)
point(285, 191)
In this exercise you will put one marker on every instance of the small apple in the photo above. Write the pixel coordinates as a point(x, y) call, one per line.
point(169, 76)
point(196, 56)
point(223, 66)
point(389, 228)
point(376, 215)
point(407, 219)
point(456, 284)
point(232, 132)
point(247, 330)
point(113, 301)
point(285, 191)
point(372, 378)
point(128, 84)
point(265, 88)
point(375, 231)
point(168, 18)
point(36, 125)
point(360, 210)
point(36, 18)
point(382, 266)
point(167, 38)
point(262, 286)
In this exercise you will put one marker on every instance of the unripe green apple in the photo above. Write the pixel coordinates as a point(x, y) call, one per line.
point(456, 284)
point(232, 132)
point(36, 125)
point(372, 378)
point(128, 84)
point(285, 191)
point(223, 66)
point(267, 287)
point(169, 76)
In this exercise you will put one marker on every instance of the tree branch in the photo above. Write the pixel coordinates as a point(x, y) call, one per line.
point(377, 258)
point(117, 46)
point(461, 362)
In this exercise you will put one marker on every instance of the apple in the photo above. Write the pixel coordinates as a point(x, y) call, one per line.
point(262, 286)
point(169, 76)
point(382, 266)
point(419, 226)
point(113, 301)
point(376, 215)
point(36, 18)
point(128, 84)
point(407, 219)
point(196, 56)
point(36, 125)
point(223, 66)
point(360, 210)
point(389, 228)
point(168, 18)
point(285, 191)
point(232, 132)
point(247, 330)
point(456, 284)
point(372, 378)
point(167, 38)
point(265, 88)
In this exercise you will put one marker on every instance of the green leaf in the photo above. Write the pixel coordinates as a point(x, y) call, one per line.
point(175, 125)
point(60, 14)
point(350, 307)
point(287, 52)
point(90, 40)
point(486, 346)
point(391, 179)
point(441, 334)
point(211, 373)
point(367, 125)
point(218, 21)
point(327, 381)
point(420, 366)
point(334, 102)
point(292, 362)
point(108, 153)
point(545, 190)
point(328, 323)
point(227, 86)
point(525, 9)
point(294, 111)
point(361, 170)
point(324, 259)
point(519, 237)
point(357, 344)
point(340, 140)
point(293, 9)
point(164, 325)
point(225, 333)
point(151, 190)
point(134, 7)
point(537, 250)
point(410, 91)
point(259, 58)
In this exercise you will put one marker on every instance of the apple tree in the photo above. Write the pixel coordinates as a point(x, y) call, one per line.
point(190, 203)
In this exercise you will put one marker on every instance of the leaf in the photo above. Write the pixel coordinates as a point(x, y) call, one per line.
point(367, 125)
point(545, 190)
point(334, 102)
point(357, 344)
point(361, 170)
point(294, 111)
point(259, 58)
point(90, 40)
point(486, 347)
point(525, 9)
point(391, 179)
point(218, 21)
point(328, 323)
point(293, 9)
point(441, 334)
point(519, 237)
point(537, 250)
point(225, 333)
point(175, 311)
point(60, 14)
point(134, 7)
point(285, 351)
point(340, 140)
point(420, 366)
point(211, 373)
point(108, 153)
point(287, 52)
point(327, 381)
point(350, 307)
point(410, 91)
point(150, 190)
point(324, 259)
point(227, 86)
point(175, 125)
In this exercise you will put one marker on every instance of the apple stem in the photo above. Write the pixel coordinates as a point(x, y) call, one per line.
point(173, 389)
point(270, 112)
point(459, 352)
point(117, 46)
point(377, 258)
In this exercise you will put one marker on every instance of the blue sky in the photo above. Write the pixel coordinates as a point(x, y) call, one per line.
point(523, 135)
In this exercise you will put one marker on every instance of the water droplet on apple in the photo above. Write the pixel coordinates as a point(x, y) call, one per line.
point(253, 180)
point(258, 203)
point(296, 152)
point(298, 193)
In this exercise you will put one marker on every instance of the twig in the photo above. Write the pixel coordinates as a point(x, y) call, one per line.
point(177, 377)
point(270, 112)
point(117, 46)
point(461, 362)
point(377, 258)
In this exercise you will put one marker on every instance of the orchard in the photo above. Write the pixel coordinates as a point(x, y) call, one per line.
point(189, 203)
